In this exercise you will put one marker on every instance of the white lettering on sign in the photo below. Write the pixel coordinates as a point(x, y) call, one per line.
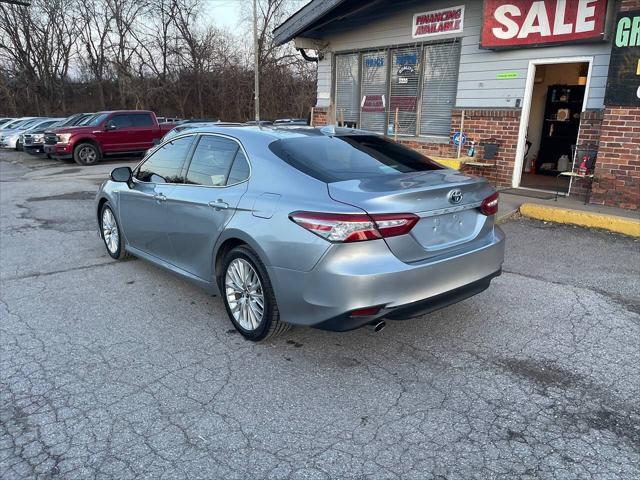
point(513, 22)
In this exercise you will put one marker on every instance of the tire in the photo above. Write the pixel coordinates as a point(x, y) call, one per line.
point(115, 249)
point(86, 154)
point(49, 155)
point(269, 325)
point(18, 146)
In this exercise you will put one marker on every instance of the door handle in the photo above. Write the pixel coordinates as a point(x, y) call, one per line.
point(219, 204)
point(160, 198)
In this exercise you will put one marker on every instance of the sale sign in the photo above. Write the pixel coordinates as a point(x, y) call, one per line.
point(517, 23)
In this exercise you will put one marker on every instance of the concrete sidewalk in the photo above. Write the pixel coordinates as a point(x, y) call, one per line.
point(571, 211)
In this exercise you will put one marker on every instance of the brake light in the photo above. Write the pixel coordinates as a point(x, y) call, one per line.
point(346, 228)
point(490, 205)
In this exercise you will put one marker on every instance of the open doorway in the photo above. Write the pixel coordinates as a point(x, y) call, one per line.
point(557, 101)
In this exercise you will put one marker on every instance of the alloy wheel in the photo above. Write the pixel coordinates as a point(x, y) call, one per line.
point(87, 155)
point(110, 231)
point(244, 294)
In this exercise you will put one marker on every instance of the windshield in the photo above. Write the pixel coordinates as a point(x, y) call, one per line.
point(87, 119)
point(28, 124)
point(97, 119)
point(44, 124)
point(350, 157)
point(15, 124)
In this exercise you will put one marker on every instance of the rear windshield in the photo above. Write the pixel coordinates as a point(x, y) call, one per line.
point(350, 157)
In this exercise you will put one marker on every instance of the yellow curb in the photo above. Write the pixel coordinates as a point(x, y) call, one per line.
point(613, 223)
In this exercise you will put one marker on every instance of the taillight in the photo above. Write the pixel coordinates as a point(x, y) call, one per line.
point(344, 227)
point(490, 204)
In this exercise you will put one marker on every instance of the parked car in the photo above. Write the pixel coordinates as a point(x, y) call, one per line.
point(5, 120)
point(38, 126)
point(33, 140)
point(107, 133)
point(16, 123)
point(290, 121)
point(168, 119)
point(331, 228)
point(10, 138)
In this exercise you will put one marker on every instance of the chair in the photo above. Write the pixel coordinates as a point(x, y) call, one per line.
point(588, 153)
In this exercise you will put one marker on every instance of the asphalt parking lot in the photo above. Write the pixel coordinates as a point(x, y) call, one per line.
point(120, 370)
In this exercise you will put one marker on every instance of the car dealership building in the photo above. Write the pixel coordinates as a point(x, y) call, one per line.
point(534, 86)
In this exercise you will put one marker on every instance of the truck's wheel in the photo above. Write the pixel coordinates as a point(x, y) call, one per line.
point(86, 154)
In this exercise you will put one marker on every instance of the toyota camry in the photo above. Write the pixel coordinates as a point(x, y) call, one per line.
point(325, 227)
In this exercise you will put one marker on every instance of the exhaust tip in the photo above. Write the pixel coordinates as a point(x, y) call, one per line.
point(378, 326)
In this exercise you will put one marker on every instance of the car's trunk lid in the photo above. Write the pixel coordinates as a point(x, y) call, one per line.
point(446, 201)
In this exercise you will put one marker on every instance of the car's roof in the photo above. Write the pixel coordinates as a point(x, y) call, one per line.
point(278, 132)
point(124, 111)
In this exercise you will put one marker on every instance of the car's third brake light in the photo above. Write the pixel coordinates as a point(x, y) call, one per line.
point(340, 227)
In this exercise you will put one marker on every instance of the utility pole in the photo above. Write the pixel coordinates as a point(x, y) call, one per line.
point(256, 67)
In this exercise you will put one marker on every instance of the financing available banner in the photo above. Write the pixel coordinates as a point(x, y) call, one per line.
point(438, 22)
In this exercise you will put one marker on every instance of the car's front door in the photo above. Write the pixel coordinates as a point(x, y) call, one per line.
point(115, 135)
point(215, 181)
point(143, 207)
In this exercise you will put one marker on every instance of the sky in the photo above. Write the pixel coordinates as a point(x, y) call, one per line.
point(224, 13)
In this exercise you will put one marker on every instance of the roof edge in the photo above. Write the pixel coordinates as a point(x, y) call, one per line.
point(300, 20)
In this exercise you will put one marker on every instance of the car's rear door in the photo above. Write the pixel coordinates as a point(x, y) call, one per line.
point(215, 180)
point(144, 216)
point(143, 131)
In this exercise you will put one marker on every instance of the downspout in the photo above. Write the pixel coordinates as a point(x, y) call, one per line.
point(307, 57)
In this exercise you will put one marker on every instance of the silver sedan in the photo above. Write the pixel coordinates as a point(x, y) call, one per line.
point(331, 228)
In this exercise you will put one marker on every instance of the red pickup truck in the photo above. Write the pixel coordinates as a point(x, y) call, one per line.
point(118, 132)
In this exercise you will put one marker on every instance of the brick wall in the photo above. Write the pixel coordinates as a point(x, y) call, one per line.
point(617, 181)
point(480, 126)
point(320, 116)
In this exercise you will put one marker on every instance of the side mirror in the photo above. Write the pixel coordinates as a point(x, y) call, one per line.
point(110, 126)
point(121, 174)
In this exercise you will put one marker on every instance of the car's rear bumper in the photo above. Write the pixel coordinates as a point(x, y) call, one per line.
point(366, 274)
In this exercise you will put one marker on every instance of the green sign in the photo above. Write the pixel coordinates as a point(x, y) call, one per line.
point(506, 75)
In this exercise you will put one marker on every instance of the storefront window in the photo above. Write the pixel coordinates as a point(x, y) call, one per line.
point(373, 108)
point(439, 87)
point(419, 82)
point(405, 84)
point(347, 88)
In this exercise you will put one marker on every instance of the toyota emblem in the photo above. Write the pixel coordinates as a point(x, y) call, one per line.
point(455, 196)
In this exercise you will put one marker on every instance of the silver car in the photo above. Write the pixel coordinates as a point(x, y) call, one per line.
point(331, 228)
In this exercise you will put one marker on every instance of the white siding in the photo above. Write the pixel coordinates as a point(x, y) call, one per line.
point(324, 81)
point(478, 86)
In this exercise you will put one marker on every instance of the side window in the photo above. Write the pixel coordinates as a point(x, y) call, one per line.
point(240, 169)
point(119, 121)
point(141, 120)
point(165, 164)
point(212, 161)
